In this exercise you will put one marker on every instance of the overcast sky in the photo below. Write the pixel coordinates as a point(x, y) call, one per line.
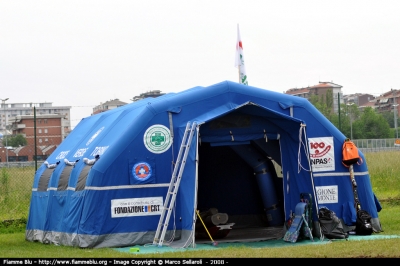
point(82, 53)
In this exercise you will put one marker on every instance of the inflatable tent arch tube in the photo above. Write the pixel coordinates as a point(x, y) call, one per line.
point(264, 180)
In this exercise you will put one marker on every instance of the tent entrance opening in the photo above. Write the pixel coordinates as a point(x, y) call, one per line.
point(229, 184)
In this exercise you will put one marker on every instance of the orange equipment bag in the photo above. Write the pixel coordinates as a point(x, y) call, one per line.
point(350, 154)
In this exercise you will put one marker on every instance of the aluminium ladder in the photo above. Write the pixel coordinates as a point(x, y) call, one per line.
point(174, 184)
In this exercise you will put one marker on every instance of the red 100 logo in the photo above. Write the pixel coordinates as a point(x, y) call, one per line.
point(320, 145)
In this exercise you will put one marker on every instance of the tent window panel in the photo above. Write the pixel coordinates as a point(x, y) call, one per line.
point(82, 178)
point(64, 177)
point(44, 179)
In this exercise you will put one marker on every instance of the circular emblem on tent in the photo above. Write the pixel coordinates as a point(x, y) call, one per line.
point(157, 139)
point(141, 171)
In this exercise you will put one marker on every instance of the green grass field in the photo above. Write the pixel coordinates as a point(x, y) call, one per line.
point(383, 167)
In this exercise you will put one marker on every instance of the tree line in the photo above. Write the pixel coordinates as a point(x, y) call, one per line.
point(14, 140)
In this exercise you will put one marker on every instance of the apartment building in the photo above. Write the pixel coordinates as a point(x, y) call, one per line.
point(148, 94)
point(108, 105)
point(52, 127)
point(115, 103)
point(320, 89)
point(9, 111)
point(388, 101)
point(360, 99)
point(49, 129)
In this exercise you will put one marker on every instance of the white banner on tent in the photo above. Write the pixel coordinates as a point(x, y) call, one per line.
point(136, 207)
point(322, 154)
point(327, 194)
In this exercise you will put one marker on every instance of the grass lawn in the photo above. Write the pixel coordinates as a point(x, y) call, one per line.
point(14, 245)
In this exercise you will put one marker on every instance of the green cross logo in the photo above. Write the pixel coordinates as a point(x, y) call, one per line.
point(157, 138)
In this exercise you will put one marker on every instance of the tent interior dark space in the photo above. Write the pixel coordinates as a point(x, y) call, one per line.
point(226, 182)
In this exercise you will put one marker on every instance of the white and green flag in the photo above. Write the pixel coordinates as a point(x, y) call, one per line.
point(239, 61)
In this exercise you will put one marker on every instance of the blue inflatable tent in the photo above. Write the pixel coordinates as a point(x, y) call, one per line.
point(251, 153)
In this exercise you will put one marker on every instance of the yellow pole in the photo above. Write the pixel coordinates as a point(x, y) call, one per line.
point(197, 211)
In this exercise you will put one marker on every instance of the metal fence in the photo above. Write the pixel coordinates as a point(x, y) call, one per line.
point(375, 145)
point(16, 182)
point(16, 179)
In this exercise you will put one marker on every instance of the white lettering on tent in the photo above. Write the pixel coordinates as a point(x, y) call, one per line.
point(80, 152)
point(99, 150)
point(62, 155)
point(327, 194)
point(136, 207)
point(94, 136)
point(322, 154)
